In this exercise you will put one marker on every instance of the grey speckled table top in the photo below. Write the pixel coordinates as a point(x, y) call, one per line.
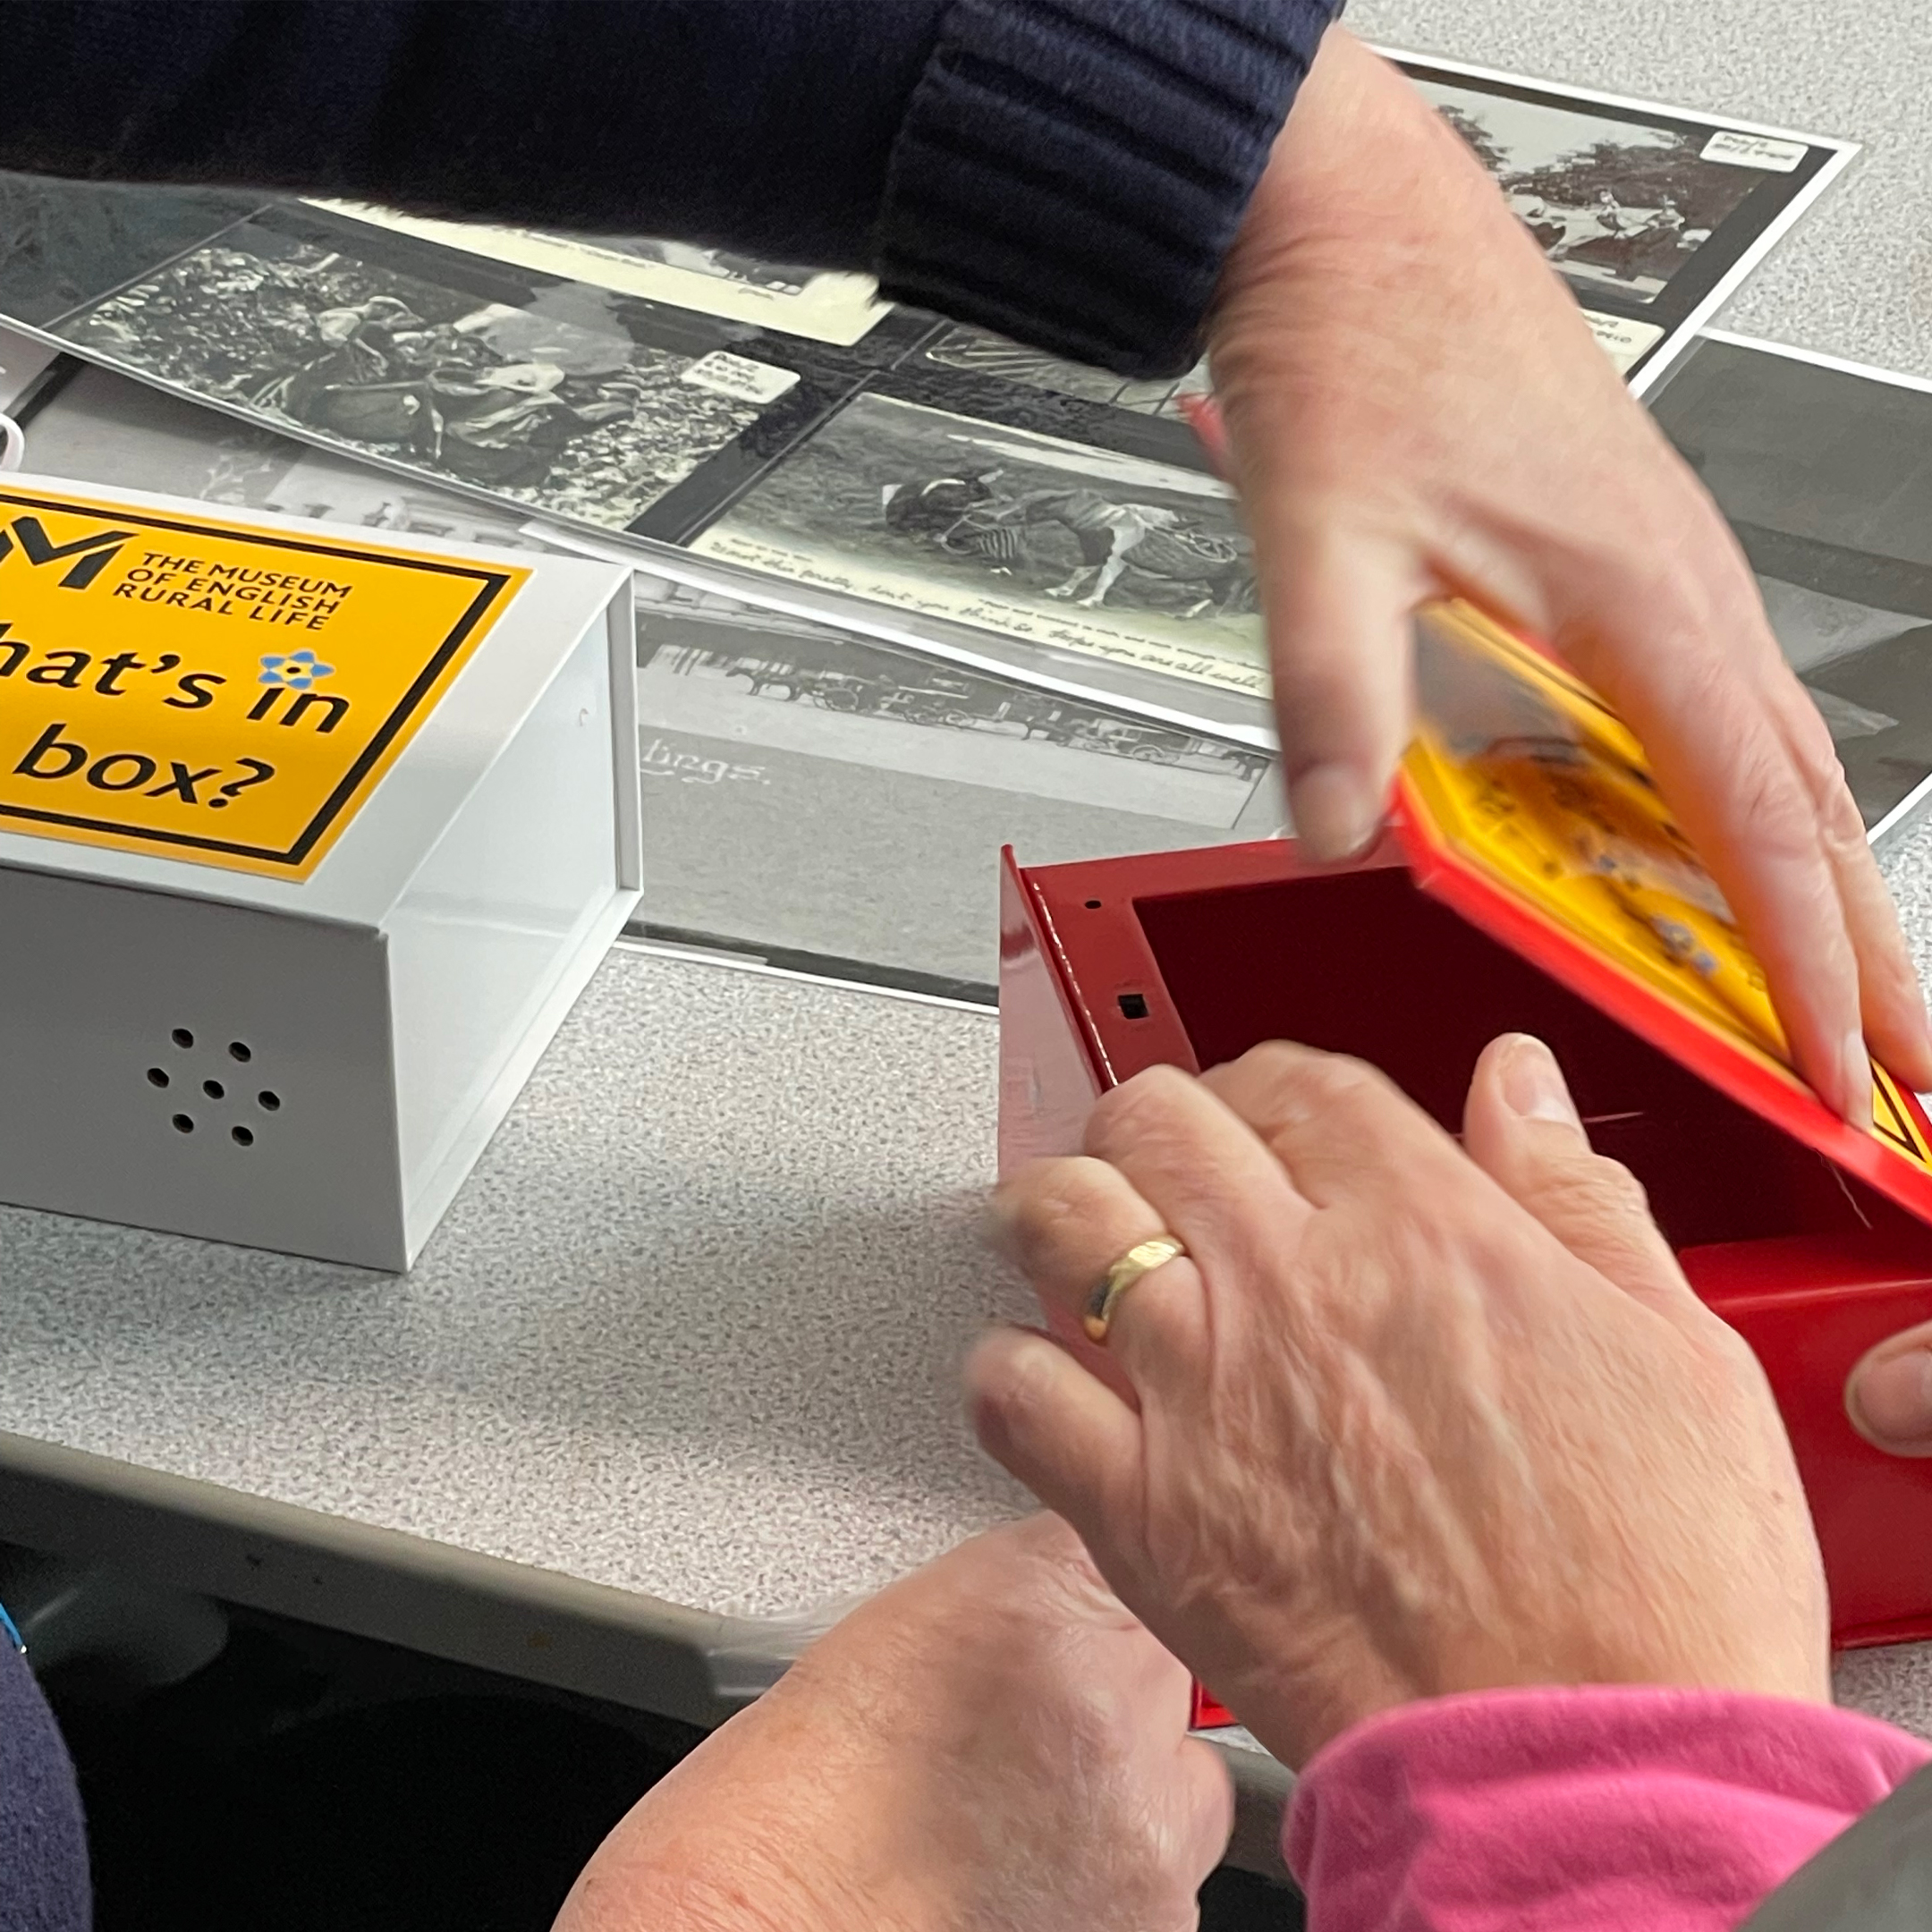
point(692, 1328)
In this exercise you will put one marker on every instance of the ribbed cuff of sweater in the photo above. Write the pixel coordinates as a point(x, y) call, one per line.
point(1073, 173)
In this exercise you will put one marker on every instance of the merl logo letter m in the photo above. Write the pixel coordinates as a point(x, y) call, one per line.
point(92, 554)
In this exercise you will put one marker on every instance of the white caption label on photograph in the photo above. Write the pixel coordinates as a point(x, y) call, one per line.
point(724, 374)
point(1755, 151)
point(1623, 342)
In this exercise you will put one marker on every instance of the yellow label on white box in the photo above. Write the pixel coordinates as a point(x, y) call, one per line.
point(210, 692)
point(1524, 773)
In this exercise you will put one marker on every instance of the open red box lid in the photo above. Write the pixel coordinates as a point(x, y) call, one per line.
point(1527, 807)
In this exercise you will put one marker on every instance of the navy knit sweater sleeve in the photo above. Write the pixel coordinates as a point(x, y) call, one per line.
point(1069, 171)
point(43, 1854)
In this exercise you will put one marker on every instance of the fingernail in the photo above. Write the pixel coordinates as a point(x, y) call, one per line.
point(1336, 813)
point(1533, 1086)
point(1856, 1062)
point(1894, 1398)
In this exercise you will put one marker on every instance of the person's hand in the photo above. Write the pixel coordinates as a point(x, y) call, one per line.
point(1415, 408)
point(1889, 1393)
point(1410, 1418)
point(991, 1742)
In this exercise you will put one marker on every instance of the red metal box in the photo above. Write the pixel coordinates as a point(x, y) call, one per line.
point(1530, 881)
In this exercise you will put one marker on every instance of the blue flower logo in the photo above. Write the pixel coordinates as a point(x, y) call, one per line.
point(297, 671)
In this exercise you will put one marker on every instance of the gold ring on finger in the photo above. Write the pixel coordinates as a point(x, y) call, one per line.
point(1142, 1258)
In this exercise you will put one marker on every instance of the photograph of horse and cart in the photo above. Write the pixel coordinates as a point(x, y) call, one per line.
point(1006, 529)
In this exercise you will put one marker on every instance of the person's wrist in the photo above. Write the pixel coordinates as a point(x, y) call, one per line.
point(1362, 163)
point(861, 1840)
point(768, 1849)
point(801, 1815)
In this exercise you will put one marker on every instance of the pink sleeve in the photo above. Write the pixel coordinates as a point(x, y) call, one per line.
point(1580, 1810)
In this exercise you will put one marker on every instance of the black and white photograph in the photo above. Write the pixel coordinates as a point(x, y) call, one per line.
point(1825, 471)
point(807, 302)
point(809, 791)
point(978, 352)
point(1002, 529)
point(100, 427)
point(1612, 201)
point(553, 403)
point(1653, 214)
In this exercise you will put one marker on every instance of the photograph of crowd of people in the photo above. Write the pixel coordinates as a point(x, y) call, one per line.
point(1613, 201)
point(810, 789)
point(777, 659)
point(101, 428)
point(1001, 528)
point(554, 406)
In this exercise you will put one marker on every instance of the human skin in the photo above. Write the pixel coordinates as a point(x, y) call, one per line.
point(992, 1741)
point(1411, 1418)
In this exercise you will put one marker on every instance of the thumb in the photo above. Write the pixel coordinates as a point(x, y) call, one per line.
point(1889, 1393)
point(1522, 1128)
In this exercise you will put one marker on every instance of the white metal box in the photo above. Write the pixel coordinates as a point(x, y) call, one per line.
point(309, 840)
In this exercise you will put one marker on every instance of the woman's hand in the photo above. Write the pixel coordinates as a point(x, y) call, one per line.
point(1415, 408)
point(1412, 1418)
point(993, 1742)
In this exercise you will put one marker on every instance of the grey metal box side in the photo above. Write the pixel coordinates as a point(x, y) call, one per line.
point(205, 1068)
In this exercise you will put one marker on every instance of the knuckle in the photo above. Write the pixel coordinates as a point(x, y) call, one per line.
point(1047, 1208)
point(1619, 1190)
point(1282, 1088)
point(1146, 1111)
point(1815, 758)
point(1313, 1079)
point(1599, 1192)
point(1272, 1061)
point(1336, 1080)
point(1813, 749)
point(1334, 1087)
point(1767, 801)
point(1839, 822)
point(1015, 1384)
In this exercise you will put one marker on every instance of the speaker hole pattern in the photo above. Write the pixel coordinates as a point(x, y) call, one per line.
point(238, 1050)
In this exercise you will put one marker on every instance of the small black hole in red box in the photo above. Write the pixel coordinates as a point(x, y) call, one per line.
point(1133, 1006)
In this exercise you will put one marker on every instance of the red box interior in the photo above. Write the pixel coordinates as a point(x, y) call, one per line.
point(1366, 963)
